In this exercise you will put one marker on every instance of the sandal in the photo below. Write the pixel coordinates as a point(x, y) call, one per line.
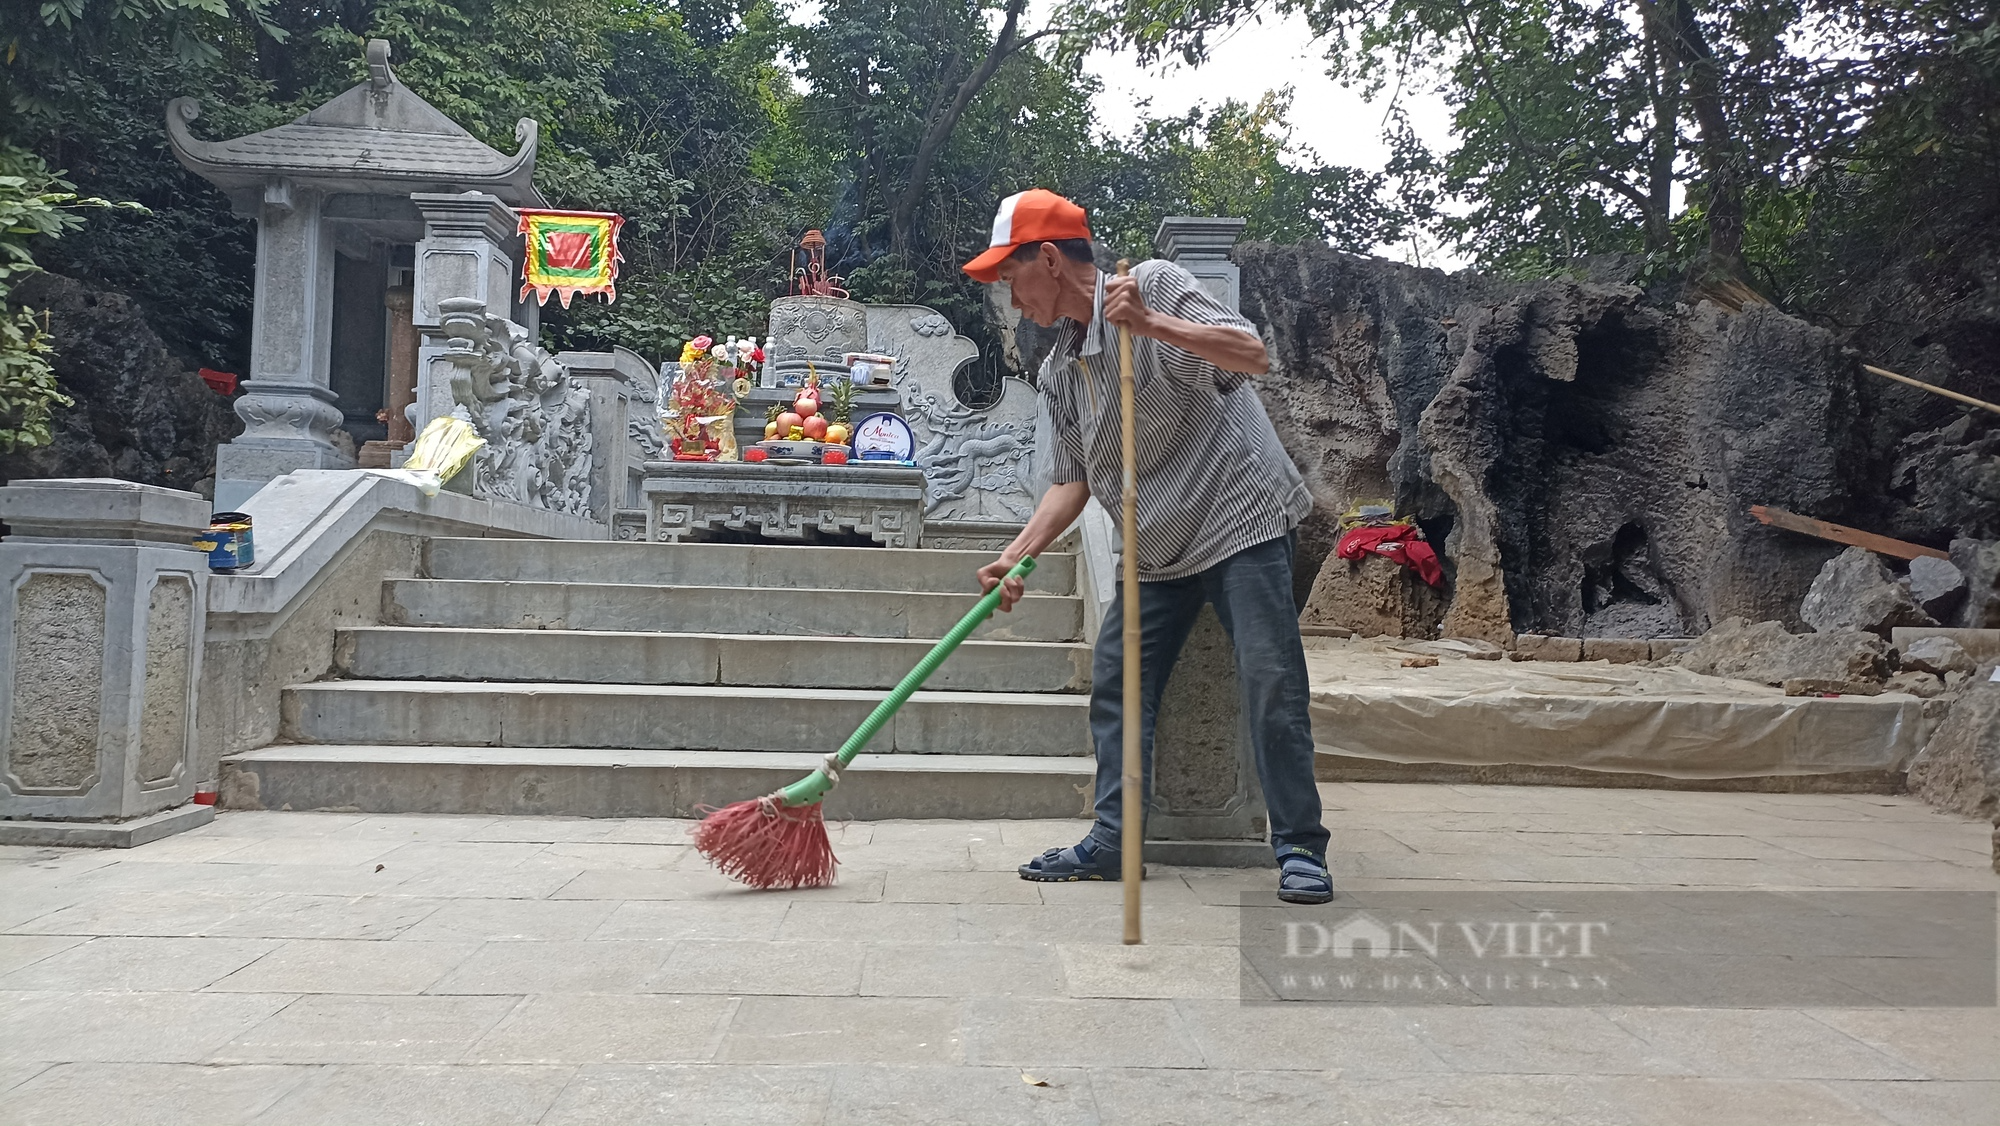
point(1084, 860)
point(1303, 878)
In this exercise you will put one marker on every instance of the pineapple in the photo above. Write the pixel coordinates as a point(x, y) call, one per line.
point(840, 411)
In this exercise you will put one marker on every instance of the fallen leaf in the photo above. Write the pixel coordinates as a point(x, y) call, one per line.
point(1035, 1081)
point(379, 867)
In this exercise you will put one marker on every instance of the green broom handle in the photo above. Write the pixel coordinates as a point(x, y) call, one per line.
point(814, 786)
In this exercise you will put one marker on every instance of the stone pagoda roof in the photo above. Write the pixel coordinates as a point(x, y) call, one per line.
point(378, 138)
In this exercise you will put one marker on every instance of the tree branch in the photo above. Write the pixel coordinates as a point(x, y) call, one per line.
point(939, 130)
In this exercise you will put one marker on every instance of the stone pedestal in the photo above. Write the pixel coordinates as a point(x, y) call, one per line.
point(1374, 597)
point(103, 618)
point(812, 332)
point(625, 433)
point(1207, 808)
point(784, 502)
point(465, 255)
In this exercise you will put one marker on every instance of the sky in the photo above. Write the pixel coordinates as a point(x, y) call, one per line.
point(1335, 122)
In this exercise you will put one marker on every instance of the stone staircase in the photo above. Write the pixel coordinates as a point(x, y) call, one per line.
point(649, 679)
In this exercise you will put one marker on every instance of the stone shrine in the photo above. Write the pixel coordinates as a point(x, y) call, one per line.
point(369, 209)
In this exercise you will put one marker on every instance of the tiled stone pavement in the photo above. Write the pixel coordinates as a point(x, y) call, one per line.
point(329, 968)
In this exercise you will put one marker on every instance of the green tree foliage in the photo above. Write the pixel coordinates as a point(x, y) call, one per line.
point(1703, 133)
point(718, 128)
point(33, 203)
point(1238, 159)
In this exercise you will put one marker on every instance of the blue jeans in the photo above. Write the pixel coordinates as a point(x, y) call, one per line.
point(1252, 593)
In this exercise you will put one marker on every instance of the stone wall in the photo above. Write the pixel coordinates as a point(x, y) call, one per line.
point(140, 414)
point(1584, 458)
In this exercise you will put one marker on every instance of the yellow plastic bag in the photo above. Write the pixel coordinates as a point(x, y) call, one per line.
point(441, 452)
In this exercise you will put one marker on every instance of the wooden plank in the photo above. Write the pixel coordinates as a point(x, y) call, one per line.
point(1841, 533)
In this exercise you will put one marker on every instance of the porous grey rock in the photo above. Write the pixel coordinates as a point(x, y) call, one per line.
point(1937, 586)
point(1374, 597)
point(1959, 767)
point(1937, 655)
point(1946, 481)
point(1979, 561)
point(1922, 685)
point(1584, 458)
point(140, 414)
point(1852, 660)
point(1855, 590)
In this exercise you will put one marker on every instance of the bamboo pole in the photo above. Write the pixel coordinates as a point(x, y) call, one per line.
point(1133, 834)
point(1932, 388)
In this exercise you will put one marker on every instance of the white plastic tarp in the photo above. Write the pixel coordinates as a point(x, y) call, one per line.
point(1595, 716)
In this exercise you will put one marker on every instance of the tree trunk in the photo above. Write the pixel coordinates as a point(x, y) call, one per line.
point(939, 129)
point(1725, 167)
point(1664, 78)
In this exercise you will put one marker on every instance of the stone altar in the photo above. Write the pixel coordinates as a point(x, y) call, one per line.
point(785, 502)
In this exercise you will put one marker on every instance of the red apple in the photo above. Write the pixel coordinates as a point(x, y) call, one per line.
point(815, 428)
point(806, 405)
point(788, 422)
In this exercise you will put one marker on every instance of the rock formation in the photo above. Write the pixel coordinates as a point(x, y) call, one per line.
point(140, 414)
point(1584, 458)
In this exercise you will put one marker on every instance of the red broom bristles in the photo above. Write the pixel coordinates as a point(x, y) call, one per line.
point(767, 844)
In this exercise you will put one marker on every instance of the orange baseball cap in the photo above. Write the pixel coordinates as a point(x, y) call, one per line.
point(1036, 215)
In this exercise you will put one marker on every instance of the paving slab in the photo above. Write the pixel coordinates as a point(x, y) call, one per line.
point(396, 1096)
point(679, 1094)
point(587, 1028)
point(138, 965)
point(151, 1094)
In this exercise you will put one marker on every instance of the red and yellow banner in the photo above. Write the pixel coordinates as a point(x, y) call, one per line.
point(570, 252)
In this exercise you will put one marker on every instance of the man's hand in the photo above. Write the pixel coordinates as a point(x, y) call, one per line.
point(1123, 308)
point(1227, 347)
point(996, 572)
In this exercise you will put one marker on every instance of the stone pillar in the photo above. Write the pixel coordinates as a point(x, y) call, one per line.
point(468, 251)
point(1201, 247)
point(625, 433)
point(1207, 808)
point(288, 410)
point(105, 602)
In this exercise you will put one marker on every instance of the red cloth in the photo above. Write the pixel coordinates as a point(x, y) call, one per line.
point(1399, 542)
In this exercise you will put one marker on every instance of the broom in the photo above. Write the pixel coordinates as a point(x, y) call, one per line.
point(779, 840)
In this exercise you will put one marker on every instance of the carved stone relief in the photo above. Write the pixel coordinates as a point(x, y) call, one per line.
point(57, 701)
point(535, 419)
point(816, 331)
point(979, 465)
point(163, 718)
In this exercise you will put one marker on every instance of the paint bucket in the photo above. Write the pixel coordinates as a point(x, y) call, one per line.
point(227, 542)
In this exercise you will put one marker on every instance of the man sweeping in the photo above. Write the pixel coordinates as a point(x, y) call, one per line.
point(1218, 505)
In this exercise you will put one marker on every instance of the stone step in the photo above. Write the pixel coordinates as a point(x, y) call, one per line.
point(484, 604)
point(766, 566)
point(747, 660)
point(679, 717)
point(623, 783)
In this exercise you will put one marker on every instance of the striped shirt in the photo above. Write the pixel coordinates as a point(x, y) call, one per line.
point(1212, 477)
